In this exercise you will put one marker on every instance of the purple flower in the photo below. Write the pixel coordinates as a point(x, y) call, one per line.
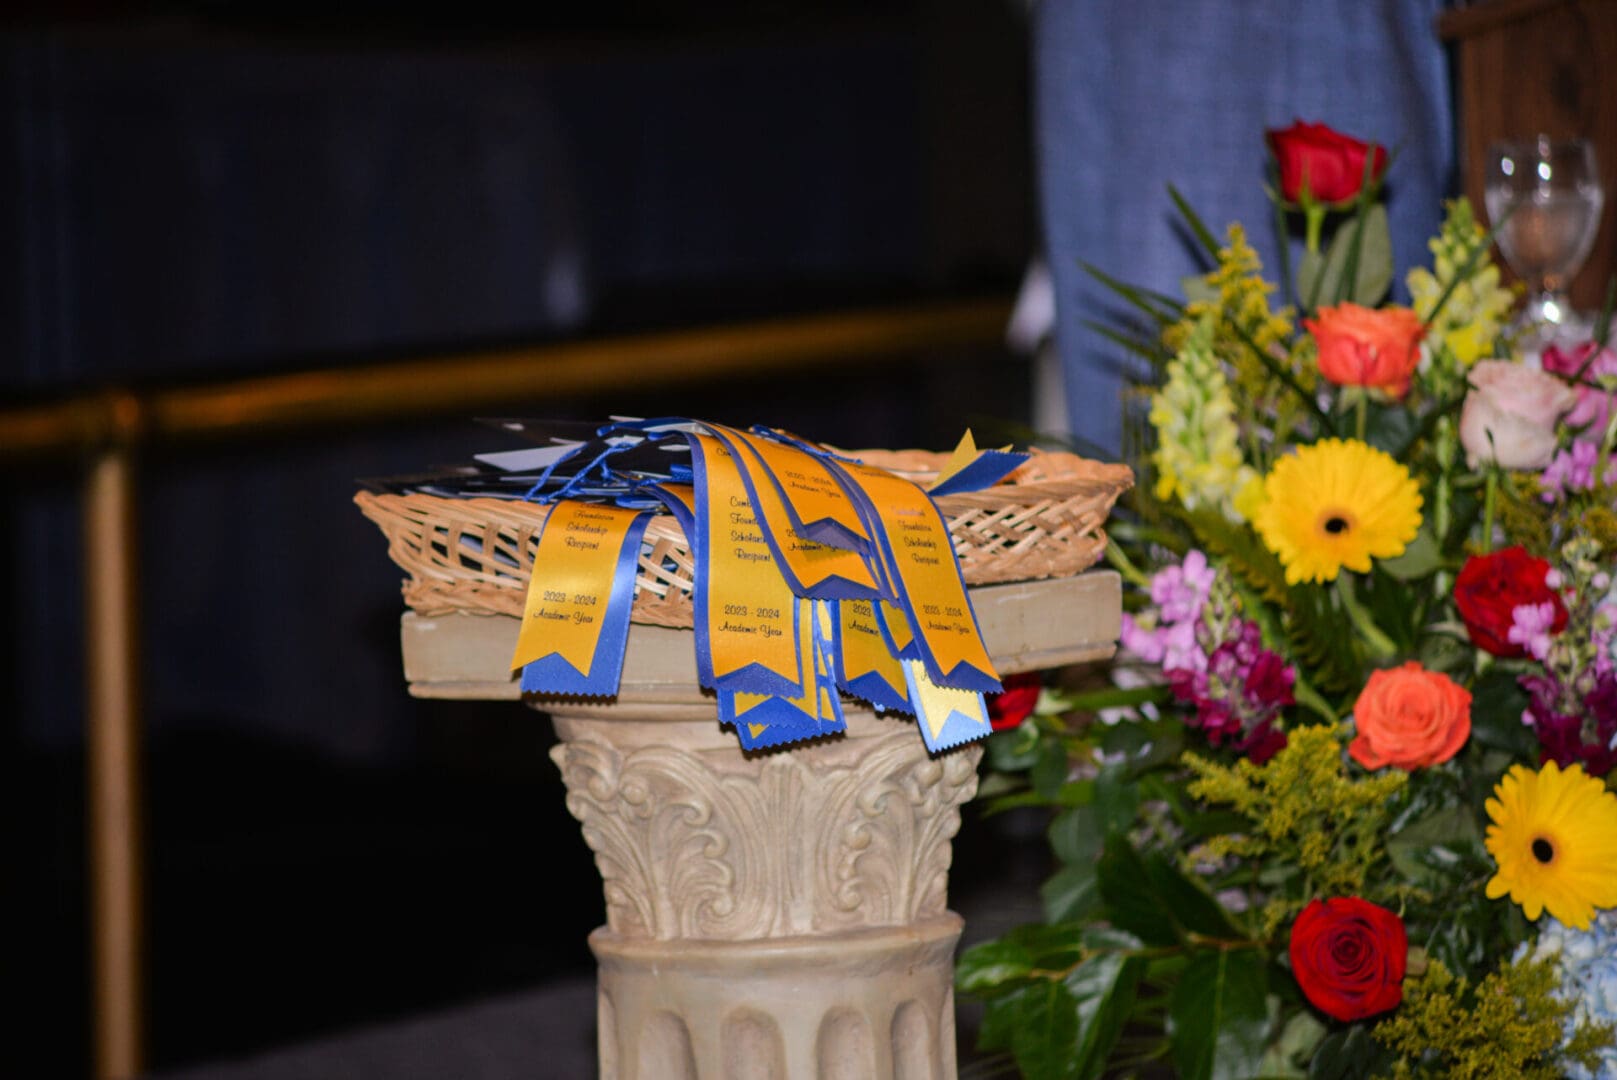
point(1531, 627)
point(1565, 738)
point(1594, 406)
point(1181, 648)
point(1240, 694)
point(1573, 470)
point(1180, 592)
point(1146, 644)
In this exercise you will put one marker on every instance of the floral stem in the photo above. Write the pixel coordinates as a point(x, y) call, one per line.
point(1123, 565)
point(1361, 414)
point(1490, 499)
point(1374, 637)
point(1314, 217)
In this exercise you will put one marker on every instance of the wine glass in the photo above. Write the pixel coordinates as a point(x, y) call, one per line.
point(1552, 191)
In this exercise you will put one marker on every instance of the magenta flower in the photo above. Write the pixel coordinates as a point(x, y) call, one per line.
point(1531, 627)
point(1594, 406)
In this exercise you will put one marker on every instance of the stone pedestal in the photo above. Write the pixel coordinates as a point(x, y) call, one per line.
point(778, 915)
point(769, 915)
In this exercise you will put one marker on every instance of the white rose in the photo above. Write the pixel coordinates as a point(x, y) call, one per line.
point(1510, 414)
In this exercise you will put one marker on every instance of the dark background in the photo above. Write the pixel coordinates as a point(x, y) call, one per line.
point(205, 190)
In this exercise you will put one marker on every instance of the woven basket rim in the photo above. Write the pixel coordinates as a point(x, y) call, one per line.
point(474, 554)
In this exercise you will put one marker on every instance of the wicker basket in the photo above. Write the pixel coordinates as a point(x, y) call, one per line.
point(476, 555)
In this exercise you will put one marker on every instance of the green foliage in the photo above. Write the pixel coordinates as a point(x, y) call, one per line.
point(1322, 638)
point(1218, 1019)
point(1524, 518)
point(1253, 339)
point(1240, 551)
point(1333, 277)
point(1147, 896)
point(1057, 999)
point(1509, 1028)
point(1348, 1054)
point(1303, 812)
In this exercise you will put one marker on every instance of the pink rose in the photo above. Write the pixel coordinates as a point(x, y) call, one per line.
point(1594, 406)
point(1510, 414)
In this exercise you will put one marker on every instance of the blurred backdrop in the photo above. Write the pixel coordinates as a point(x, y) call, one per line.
point(206, 189)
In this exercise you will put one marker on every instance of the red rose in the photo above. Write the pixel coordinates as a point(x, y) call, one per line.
point(1348, 956)
point(1491, 587)
point(1012, 705)
point(1327, 163)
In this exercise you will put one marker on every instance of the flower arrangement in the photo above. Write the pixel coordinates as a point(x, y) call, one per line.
point(1347, 810)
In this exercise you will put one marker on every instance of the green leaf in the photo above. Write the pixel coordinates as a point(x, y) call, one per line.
point(1320, 278)
point(1104, 986)
point(1193, 219)
point(1117, 799)
point(1144, 348)
point(1420, 559)
point(1148, 897)
point(1072, 894)
point(1497, 702)
point(999, 1021)
point(1113, 697)
point(1053, 946)
point(1072, 793)
point(1215, 823)
point(1390, 428)
point(1076, 835)
point(1131, 902)
point(1292, 1051)
point(984, 967)
point(1049, 772)
point(1396, 610)
point(1218, 1017)
point(1046, 1035)
point(1348, 1055)
point(1323, 639)
point(1432, 842)
point(1013, 750)
point(1159, 308)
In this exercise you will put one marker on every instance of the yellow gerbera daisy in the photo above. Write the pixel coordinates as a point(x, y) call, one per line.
point(1554, 836)
point(1337, 503)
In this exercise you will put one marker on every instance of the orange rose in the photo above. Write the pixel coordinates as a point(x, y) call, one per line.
point(1409, 717)
point(1360, 346)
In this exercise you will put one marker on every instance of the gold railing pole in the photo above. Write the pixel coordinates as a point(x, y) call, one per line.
point(445, 385)
point(112, 424)
point(113, 752)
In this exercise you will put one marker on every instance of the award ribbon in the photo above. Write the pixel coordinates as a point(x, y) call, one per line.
point(866, 666)
point(810, 568)
point(765, 720)
point(818, 507)
point(575, 621)
point(969, 469)
point(946, 716)
point(746, 637)
point(919, 556)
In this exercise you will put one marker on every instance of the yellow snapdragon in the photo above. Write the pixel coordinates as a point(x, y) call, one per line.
point(1198, 455)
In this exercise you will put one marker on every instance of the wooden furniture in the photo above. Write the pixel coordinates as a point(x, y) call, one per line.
point(1530, 66)
point(769, 915)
